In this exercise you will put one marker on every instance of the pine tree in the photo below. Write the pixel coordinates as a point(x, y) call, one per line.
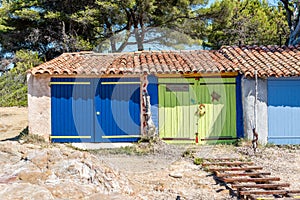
point(246, 23)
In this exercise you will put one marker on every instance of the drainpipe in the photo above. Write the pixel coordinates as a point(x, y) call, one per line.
point(255, 135)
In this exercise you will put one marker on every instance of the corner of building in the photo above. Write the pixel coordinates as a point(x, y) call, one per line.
point(39, 105)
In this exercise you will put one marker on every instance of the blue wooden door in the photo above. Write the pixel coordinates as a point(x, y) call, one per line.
point(72, 105)
point(117, 110)
point(284, 111)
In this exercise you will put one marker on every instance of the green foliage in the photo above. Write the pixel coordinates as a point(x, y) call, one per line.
point(126, 150)
point(152, 22)
point(246, 23)
point(48, 27)
point(198, 161)
point(188, 153)
point(53, 27)
point(13, 94)
point(292, 14)
point(13, 88)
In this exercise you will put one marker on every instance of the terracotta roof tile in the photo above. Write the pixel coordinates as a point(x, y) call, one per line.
point(149, 62)
point(266, 60)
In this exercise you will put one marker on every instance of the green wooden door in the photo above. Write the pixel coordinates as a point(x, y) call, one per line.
point(179, 101)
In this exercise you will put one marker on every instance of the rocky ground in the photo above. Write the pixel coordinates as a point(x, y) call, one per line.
point(33, 169)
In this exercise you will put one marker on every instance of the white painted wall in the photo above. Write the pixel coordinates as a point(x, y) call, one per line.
point(39, 105)
point(248, 100)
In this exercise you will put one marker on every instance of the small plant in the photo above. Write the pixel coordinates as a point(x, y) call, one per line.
point(136, 149)
point(145, 139)
point(241, 142)
point(270, 144)
point(205, 169)
point(198, 161)
point(25, 137)
point(188, 153)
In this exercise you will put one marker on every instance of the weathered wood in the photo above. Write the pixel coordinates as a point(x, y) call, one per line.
point(243, 174)
point(258, 188)
point(254, 197)
point(236, 168)
point(259, 192)
point(259, 197)
point(273, 185)
point(294, 196)
point(266, 179)
point(248, 192)
point(228, 163)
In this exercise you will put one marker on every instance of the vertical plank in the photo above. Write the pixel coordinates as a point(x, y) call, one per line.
point(68, 121)
point(152, 89)
point(284, 111)
point(239, 108)
point(119, 105)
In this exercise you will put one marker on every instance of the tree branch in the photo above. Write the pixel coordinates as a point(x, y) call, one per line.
point(125, 43)
point(294, 34)
point(289, 13)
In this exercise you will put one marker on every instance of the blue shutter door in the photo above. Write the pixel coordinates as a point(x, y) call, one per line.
point(117, 109)
point(239, 108)
point(284, 111)
point(95, 110)
point(71, 110)
point(152, 89)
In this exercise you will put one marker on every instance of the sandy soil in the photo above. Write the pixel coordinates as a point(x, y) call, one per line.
point(12, 121)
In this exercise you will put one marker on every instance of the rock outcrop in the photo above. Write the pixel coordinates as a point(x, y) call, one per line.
point(30, 171)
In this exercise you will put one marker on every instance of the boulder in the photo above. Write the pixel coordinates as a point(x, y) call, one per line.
point(24, 191)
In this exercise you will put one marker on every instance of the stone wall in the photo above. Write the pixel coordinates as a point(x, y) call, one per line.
point(39, 105)
point(248, 100)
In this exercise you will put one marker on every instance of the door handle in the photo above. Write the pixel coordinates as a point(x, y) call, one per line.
point(97, 113)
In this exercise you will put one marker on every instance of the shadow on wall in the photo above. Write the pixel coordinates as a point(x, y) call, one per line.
point(248, 99)
point(38, 86)
point(249, 89)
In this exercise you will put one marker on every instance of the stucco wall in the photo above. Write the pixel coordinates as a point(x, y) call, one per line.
point(248, 100)
point(39, 105)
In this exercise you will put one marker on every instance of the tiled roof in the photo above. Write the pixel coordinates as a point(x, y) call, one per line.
point(266, 60)
point(149, 62)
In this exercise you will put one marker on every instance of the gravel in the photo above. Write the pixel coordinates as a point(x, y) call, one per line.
point(150, 173)
point(145, 171)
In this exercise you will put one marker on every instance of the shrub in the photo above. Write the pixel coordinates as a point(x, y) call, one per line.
point(13, 86)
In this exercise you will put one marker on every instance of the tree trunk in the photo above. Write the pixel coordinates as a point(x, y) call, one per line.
point(65, 37)
point(113, 44)
point(112, 37)
point(293, 22)
point(125, 42)
point(139, 36)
